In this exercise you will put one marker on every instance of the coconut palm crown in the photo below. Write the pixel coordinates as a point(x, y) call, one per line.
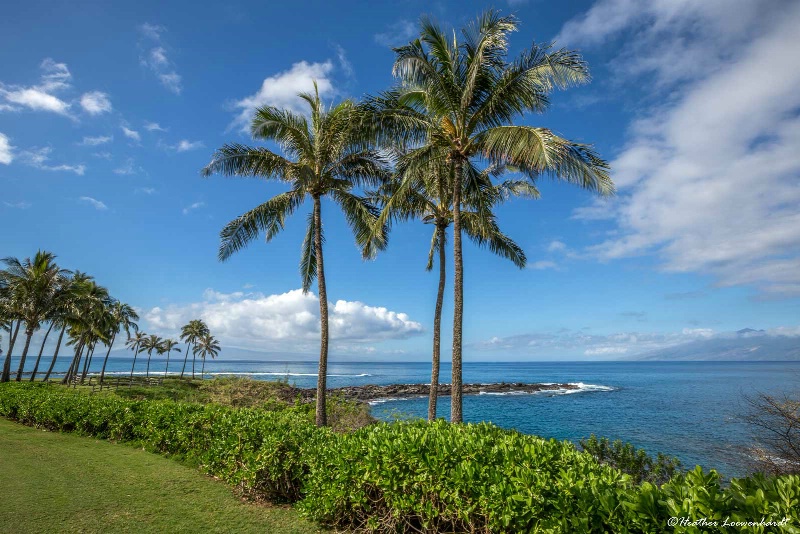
point(324, 155)
point(457, 102)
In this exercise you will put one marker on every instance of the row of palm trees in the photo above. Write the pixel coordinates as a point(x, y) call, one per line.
point(435, 147)
point(199, 342)
point(37, 292)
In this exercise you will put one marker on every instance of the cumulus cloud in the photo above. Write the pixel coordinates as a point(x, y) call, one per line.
point(96, 204)
point(280, 90)
point(542, 265)
point(397, 34)
point(145, 190)
point(55, 77)
point(95, 103)
point(154, 56)
point(6, 150)
point(38, 158)
point(95, 141)
point(708, 181)
point(192, 207)
point(288, 321)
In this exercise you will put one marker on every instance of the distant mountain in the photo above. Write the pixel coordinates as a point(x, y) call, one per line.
point(744, 345)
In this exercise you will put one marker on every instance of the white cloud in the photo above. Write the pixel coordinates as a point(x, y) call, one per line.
point(131, 134)
point(6, 150)
point(18, 205)
point(95, 141)
point(556, 246)
point(542, 265)
point(580, 342)
point(195, 206)
point(155, 57)
point(98, 205)
point(708, 181)
point(145, 190)
point(153, 127)
point(397, 34)
point(185, 145)
point(55, 77)
point(126, 169)
point(38, 158)
point(288, 321)
point(95, 103)
point(281, 90)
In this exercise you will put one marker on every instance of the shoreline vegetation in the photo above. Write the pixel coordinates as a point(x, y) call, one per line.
point(408, 476)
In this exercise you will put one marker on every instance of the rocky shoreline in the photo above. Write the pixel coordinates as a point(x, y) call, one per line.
point(371, 392)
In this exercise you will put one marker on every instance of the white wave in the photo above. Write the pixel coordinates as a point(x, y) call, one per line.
point(391, 399)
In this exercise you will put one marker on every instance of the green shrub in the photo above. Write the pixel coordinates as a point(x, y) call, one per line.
point(635, 462)
point(412, 476)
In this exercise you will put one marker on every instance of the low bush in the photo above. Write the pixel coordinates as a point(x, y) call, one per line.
point(635, 462)
point(414, 476)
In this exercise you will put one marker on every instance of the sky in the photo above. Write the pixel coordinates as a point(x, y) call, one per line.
point(108, 111)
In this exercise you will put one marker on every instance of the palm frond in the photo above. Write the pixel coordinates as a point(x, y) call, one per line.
point(269, 218)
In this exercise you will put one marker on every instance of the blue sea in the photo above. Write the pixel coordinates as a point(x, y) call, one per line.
point(686, 409)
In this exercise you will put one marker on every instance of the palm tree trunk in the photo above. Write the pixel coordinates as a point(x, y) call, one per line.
point(39, 357)
point(135, 354)
point(73, 366)
point(105, 361)
point(185, 359)
point(323, 316)
point(149, 355)
point(29, 334)
point(58, 347)
point(194, 358)
point(88, 362)
point(437, 326)
point(167, 369)
point(7, 364)
point(203, 370)
point(456, 415)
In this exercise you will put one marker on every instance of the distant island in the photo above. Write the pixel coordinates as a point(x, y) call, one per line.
point(747, 344)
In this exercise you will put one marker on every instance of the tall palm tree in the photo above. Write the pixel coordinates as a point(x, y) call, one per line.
point(122, 317)
point(66, 310)
point(134, 342)
point(206, 345)
point(9, 321)
point(457, 103)
point(427, 196)
point(87, 323)
point(150, 344)
point(33, 284)
point(190, 332)
point(323, 156)
point(168, 345)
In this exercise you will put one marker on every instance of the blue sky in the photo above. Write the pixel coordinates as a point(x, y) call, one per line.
point(109, 110)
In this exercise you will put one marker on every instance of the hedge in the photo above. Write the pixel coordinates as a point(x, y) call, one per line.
point(413, 476)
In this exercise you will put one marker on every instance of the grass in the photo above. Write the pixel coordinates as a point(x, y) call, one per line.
point(52, 482)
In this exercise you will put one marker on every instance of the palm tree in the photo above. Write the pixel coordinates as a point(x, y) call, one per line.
point(8, 320)
point(324, 156)
point(87, 323)
point(427, 196)
point(149, 344)
point(168, 345)
point(32, 284)
point(206, 346)
point(189, 334)
point(66, 310)
point(457, 102)
point(122, 317)
point(134, 342)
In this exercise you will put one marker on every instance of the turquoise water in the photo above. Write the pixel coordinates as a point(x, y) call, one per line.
point(686, 409)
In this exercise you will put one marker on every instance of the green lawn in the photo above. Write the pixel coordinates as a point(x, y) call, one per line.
point(52, 482)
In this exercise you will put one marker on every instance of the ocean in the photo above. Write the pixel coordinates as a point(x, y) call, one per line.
point(690, 410)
